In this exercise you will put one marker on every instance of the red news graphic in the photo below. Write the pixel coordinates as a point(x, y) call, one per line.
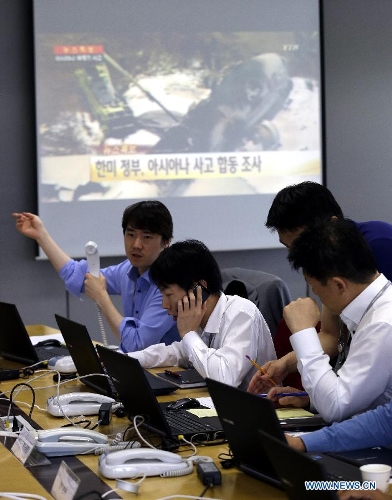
point(61, 50)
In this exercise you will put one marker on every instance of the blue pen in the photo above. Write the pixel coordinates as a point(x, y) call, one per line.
point(283, 394)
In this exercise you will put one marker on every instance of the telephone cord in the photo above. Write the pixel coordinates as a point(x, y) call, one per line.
point(101, 326)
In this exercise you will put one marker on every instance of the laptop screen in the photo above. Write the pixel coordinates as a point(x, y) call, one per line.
point(84, 354)
point(241, 415)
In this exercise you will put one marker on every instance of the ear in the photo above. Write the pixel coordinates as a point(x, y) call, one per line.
point(204, 283)
point(165, 243)
point(340, 284)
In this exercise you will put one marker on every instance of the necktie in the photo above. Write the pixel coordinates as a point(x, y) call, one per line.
point(344, 341)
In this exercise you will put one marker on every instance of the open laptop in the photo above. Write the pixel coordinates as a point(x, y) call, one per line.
point(242, 415)
point(295, 469)
point(87, 362)
point(138, 399)
point(15, 343)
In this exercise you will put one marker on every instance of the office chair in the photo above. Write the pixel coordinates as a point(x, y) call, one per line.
point(269, 292)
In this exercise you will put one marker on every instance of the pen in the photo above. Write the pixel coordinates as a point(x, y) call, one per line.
point(172, 374)
point(283, 394)
point(260, 369)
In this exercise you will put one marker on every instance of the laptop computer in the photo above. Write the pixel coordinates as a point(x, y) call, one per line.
point(138, 399)
point(296, 470)
point(242, 415)
point(15, 343)
point(87, 362)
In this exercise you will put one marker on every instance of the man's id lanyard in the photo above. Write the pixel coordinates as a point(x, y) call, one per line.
point(381, 292)
point(345, 336)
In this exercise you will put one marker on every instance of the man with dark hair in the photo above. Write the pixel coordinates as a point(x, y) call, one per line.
point(294, 209)
point(304, 205)
point(339, 267)
point(217, 331)
point(147, 229)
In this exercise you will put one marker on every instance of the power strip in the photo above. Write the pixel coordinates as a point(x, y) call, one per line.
point(6, 423)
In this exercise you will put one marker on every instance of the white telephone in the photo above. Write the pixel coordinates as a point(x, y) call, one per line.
point(78, 403)
point(69, 441)
point(136, 462)
point(94, 265)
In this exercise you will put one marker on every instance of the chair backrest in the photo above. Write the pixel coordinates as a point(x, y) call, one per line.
point(269, 292)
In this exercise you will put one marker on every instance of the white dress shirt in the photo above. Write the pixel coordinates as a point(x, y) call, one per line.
point(365, 379)
point(236, 328)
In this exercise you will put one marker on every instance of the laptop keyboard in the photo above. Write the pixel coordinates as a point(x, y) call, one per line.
point(182, 422)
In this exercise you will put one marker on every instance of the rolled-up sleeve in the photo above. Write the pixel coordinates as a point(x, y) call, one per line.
point(73, 273)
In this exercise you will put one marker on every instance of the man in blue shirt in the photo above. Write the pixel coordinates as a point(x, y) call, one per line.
point(294, 209)
point(148, 229)
point(366, 430)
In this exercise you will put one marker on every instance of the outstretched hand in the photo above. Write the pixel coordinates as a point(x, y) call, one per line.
point(28, 224)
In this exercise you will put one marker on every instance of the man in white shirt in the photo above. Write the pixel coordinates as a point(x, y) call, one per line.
point(338, 265)
point(217, 331)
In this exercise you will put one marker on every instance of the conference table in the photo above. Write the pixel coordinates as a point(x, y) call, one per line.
point(15, 477)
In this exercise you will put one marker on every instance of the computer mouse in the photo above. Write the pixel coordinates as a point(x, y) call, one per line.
point(183, 404)
point(49, 343)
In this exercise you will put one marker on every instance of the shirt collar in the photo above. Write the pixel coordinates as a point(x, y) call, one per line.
point(133, 275)
point(214, 320)
point(354, 311)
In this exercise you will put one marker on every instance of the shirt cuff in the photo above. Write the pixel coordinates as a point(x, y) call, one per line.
point(139, 355)
point(305, 342)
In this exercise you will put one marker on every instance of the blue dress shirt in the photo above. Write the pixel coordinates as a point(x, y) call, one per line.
point(145, 322)
point(373, 428)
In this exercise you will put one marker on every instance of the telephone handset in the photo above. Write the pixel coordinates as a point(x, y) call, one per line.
point(136, 462)
point(92, 257)
point(94, 266)
point(205, 293)
point(69, 441)
point(77, 403)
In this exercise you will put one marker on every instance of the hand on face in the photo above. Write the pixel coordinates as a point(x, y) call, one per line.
point(190, 312)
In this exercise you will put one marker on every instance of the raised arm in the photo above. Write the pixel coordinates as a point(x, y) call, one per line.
point(31, 225)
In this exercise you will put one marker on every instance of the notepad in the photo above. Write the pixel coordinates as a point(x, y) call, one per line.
point(284, 413)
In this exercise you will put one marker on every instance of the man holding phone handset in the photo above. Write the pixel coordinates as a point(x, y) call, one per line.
point(147, 228)
point(217, 331)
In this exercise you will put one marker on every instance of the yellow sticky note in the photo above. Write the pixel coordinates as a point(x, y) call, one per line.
point(284, 413)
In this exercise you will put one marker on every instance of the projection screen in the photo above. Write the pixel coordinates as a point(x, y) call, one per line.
point(209, 106)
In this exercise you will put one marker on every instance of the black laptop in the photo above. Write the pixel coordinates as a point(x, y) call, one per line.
point(242, 415)
point(15, 343)
point(297, 470)
point(138, 399)
point(87, 362)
